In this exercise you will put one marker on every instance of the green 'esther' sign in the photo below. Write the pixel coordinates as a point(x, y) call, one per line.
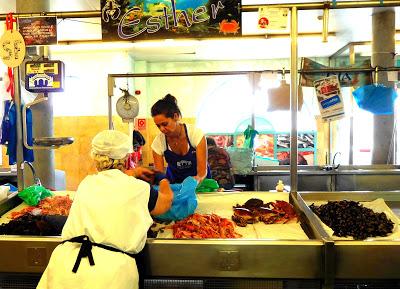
point(162, 19)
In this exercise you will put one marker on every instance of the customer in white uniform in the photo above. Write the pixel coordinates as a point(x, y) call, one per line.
point(107, 224)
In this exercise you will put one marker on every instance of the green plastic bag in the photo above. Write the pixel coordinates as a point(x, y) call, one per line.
point(33, 194)
point(241, 159)
point(207, 185)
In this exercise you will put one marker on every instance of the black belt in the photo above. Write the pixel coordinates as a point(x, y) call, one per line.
point(86, 250)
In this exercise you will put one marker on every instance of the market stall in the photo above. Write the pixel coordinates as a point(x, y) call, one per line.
point(294, 255)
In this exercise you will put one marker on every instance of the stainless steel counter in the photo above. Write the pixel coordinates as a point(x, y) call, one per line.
point(8, 176)
point(362, 259)
point(345, 178)
point(236, 258)
point(320, 258)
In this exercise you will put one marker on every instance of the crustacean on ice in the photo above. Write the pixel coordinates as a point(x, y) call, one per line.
point(254, 210)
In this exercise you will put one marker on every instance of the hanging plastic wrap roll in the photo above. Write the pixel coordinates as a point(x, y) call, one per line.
point(9, 132)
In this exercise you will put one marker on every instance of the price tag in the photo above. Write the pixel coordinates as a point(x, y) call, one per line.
point(12, 48)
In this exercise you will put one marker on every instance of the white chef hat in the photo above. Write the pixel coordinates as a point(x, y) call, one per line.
point(112, 143)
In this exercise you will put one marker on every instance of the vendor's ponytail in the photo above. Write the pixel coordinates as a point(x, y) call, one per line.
point(167, 106)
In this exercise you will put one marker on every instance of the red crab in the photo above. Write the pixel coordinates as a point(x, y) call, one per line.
point(226, 26)
point(286, 212)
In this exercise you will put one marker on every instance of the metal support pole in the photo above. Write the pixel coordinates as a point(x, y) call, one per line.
point(352, 58)
point(293, 100)
point(20, 152)
point(383, 47)
point(110, 84)
point(329, 264)
point(325, 24)
point(254, 81)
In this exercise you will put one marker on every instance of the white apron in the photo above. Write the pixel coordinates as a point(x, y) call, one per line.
point(111, 209)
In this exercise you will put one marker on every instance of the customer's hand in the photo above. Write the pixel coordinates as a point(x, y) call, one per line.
point(198, 179)
point(143, 173)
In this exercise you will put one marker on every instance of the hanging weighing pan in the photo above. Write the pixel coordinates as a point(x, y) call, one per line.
point(127, 107)
point(52, 142)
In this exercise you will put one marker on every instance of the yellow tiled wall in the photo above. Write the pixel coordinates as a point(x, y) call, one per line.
point(75, 159)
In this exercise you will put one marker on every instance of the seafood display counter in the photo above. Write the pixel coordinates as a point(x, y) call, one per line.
point(277, 252)
point(263, 251)
point(293, 253)
point(25, 253)
point(373, 258)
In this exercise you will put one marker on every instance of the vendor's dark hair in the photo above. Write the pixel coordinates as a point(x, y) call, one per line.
point(167, 106)
point(211, 141)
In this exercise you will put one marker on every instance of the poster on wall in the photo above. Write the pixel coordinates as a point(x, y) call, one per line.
point(329, 98)
point(168, 19)
point(38, 30)
point(346, 79)
point(273, 18)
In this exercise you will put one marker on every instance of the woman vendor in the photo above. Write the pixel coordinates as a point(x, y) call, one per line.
point(107, 223)
point(183, 146)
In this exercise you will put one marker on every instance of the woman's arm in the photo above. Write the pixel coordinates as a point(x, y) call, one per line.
point(201, 156)
point(158, 162)
point(164, 199)
point(141, 173)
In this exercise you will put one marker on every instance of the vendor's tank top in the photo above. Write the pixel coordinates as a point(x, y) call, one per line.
point(180, 167)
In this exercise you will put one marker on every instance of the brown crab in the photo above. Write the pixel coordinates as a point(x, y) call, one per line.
point(247, 213)
point(254, 210)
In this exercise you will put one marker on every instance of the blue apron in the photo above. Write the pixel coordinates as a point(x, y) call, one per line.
point(180, 167)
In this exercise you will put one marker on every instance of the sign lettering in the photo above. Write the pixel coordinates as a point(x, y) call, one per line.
point(161, 19)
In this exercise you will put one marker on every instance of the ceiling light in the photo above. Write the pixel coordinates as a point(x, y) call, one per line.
point(90, 45)
point(164, 43)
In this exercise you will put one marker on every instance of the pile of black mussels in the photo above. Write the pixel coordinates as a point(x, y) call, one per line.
point(350, 218)
point(34, 225)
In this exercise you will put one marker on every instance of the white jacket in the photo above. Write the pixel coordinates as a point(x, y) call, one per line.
point(111, 208)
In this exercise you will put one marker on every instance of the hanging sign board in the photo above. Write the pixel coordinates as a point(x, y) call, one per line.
point(38, 30)
point(168, 19)
point(273, 18)
point(346, 79)
point(329, 98)
point(44, 76)
point(12, 48)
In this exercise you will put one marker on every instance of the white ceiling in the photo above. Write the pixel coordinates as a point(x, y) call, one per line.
point(349, 25)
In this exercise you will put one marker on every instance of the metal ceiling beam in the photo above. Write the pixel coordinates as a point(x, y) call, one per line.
point(244, 8)
point(356, 43)
point(322, 5)
point(61, 15)
point(253, 36)
point(209, 73)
